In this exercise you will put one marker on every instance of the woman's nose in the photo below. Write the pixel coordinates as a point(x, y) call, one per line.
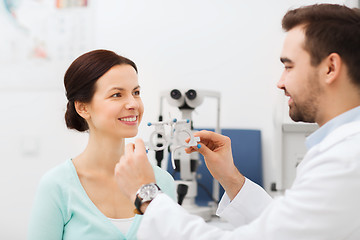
point(132, 103)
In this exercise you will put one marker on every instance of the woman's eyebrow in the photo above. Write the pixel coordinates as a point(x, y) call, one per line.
point(116, 88)
point(122, 89)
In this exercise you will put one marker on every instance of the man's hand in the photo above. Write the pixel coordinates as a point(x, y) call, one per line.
point(134, 169)
point(217, 153)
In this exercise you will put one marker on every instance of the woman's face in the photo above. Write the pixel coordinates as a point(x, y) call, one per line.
point(116, 108)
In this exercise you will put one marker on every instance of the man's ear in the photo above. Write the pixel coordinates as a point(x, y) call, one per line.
point(82, 109)
point(333, 64)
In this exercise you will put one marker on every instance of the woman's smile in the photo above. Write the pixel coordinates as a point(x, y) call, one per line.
point(129, 120)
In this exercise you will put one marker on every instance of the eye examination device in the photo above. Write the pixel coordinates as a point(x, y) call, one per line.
point(177, 128)
point(177, 134)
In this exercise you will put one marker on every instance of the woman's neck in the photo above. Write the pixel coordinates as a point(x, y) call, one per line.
point(101, 154)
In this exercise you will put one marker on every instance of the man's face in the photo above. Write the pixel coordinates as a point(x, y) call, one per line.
point(299, 80)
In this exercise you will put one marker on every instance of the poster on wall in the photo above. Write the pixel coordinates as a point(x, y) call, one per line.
point(71, 3)
point(44, 29)
point(39, 36)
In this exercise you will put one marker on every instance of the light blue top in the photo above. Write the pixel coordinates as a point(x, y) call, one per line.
point(63, 210)
point(327, 128)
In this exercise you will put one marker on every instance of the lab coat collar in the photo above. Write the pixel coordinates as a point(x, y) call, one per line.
point(330, 126)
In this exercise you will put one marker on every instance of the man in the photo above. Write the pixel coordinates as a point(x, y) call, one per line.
point(321, 55)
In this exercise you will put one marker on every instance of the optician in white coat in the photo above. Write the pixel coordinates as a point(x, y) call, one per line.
point(321, 53)
point(323, 202)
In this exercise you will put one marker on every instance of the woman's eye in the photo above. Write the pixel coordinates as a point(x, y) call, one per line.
point(137, 93)
point(116, 95)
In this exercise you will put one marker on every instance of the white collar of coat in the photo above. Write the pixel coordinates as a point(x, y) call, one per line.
point(339, 134)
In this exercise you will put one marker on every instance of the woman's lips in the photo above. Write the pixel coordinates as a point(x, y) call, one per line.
point(129, 120)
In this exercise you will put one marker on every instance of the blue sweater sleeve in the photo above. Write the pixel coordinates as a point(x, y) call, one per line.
point(47, 220)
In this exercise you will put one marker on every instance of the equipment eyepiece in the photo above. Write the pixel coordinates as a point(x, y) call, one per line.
point(175, 94)
point(191, 94)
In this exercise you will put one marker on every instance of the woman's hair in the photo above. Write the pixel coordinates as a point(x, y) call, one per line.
point(329, 28)
point(80, 79)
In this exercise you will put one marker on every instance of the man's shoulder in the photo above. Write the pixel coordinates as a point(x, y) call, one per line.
point(345, 134)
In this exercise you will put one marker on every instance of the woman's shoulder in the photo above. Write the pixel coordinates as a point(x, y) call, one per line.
point(161, 173)
point(57, 176)
point(165, 181)
point(54, 185)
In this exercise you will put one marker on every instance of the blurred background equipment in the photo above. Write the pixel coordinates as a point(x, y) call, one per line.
point(187, 164)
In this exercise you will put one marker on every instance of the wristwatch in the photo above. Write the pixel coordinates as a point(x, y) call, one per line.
point(146, 193)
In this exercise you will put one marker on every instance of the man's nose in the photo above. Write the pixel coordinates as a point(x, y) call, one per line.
point(281, 83)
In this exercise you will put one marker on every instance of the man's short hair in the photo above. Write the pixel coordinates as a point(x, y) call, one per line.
point(329, 28)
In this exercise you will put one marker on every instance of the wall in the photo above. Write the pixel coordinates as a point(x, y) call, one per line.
point(229, 46)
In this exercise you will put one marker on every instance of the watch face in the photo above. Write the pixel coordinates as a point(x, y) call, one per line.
point(148, 192)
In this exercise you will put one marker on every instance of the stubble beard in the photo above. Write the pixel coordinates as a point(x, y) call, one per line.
point(307, 110)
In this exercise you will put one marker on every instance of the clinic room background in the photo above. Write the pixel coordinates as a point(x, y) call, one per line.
point(229, 46)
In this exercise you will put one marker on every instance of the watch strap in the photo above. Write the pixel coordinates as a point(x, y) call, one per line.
point(138, 201)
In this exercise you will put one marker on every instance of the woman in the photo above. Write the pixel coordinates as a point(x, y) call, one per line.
point(80, 198)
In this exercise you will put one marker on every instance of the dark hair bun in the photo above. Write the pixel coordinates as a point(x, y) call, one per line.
point(73, 120)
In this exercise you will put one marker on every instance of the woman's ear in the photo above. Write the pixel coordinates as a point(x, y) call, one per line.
point(82, 109)
point(333, 63)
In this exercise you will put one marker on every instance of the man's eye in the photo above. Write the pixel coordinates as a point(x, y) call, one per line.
point(137, 93)
point(288, 67)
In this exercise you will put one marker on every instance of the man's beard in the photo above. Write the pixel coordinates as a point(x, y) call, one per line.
point(303, 113)
point(307, 110)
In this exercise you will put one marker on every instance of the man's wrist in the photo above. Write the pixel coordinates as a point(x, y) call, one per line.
point(233, 185)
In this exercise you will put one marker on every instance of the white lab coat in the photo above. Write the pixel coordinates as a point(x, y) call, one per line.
point(323, 203)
